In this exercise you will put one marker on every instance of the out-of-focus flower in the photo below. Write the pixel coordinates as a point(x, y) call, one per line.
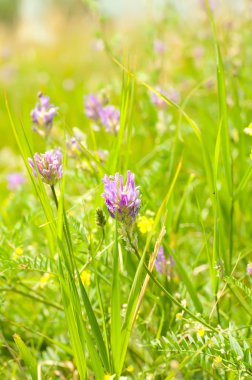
point(103, 155)
point(74, 144)
point(170, 93)
point(44, 279)
point(248, 130)
point(198, 52)
point(179, 316)
point(110, 118)
point(145, 224)
point(217, 361)
point(104, 115)
point(161, 261)
point(212, 4)
point(93, 107)
point(17, 253)
point(97, 44)
point(130, 368)
point(159, 46)
point(251, 154)
point(108, 376)
point(49, 165)
point(201, 331)
point(15, 180)
point(123, 201)
point(163, 265)
point(249, 269)
point(85, 277)
point(42, 115)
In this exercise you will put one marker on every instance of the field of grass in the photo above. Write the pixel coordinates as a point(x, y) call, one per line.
point(149, 279)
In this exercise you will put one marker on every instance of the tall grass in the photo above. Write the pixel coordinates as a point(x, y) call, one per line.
point(195, 181)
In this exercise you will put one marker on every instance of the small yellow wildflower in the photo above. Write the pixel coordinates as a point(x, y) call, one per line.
point(145, 224)
point(248, 130)
point(217, 361)
point(179, 316)
point(44, 279)
point(85, 277)
point(108, 377)
point(130, 368)
point(201, 331)
point(17, 253)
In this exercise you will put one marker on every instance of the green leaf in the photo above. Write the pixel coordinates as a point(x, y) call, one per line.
point(116, 310)
point(26, 355)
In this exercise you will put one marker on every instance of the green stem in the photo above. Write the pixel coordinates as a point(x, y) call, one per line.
point(37, 299)
point(174, 300)
point(65, 227)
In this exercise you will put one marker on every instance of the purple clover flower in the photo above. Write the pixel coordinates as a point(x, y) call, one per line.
point(163, 264)
point(97, 44)
point(104, 116)
point(160, 262)
point(159, 46)
point(212, 5)
point(42, 115)
point(249, 269)
point(49, 165)
point(15, 180)
point(93, 107)
point(123, 201)
point(110, 118)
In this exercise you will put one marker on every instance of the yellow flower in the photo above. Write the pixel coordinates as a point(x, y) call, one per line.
point(108, 377)
point(217, 360)
point(251, 154)
point(130, 368)
point(248, 130)
point(17, 253)
point(179, 316)
point(201, 331)
point(85, 277)
point(145, 224)
point(44, 279)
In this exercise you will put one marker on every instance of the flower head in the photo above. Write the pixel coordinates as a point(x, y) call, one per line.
point(44, 279)
point(145, 224)
point(248, 130)
point(17, 253)
point(74, 144)
point(110, 118)
point(160, 262)
point(163, 265)
point(15, 180)
point(249, 269)
point(93, 107)
point(42, 115)
point(97, 44)
point(212, 4)
point(159, 46)
point(49, 165)
point(123, 201)
point(85, 277)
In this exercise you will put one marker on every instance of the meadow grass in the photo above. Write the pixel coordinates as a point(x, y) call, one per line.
point(82, 295)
